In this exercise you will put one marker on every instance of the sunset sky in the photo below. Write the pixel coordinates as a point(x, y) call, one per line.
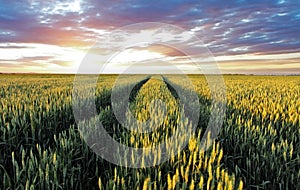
point(259, 37)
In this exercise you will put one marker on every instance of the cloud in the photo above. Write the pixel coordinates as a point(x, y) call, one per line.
point(38, 55)
point(227, 28)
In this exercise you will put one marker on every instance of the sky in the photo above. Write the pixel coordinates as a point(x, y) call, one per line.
point(246, 37)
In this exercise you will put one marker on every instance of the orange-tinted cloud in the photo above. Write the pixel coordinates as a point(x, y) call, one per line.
point(227, 28)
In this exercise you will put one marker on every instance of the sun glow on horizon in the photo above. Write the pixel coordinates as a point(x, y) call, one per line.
point(132, 55)
point(54, 36)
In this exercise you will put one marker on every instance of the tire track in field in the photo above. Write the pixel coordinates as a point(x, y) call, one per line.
point(137, 88)
point(152, 92)
point(196, 109)
point(154, 108)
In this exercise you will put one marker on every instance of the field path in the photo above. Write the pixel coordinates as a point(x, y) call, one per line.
point(155, 89)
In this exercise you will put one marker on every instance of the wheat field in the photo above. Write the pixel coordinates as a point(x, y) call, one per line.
point(43, 147)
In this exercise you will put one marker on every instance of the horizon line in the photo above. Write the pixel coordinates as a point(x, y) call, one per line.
point(246, 74)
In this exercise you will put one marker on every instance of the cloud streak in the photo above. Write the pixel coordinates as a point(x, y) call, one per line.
point(257, 33)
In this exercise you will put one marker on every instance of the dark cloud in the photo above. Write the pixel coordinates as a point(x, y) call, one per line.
point(267, 21)
point(227, 27)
